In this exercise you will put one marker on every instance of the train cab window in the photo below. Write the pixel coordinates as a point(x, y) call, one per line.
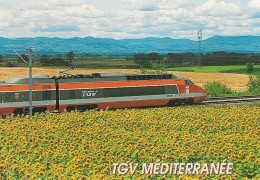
point(188, 82)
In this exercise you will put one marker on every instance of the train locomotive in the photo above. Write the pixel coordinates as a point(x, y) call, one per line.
point(97, 90)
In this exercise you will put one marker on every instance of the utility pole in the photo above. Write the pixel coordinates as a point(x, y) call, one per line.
point(30, 80)
point(30, 76)
point(199, 38)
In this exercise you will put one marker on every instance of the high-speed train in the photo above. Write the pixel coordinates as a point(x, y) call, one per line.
point(97, 90)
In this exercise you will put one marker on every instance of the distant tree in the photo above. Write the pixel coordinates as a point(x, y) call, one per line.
point(155, 67)
point(174, 59)
point(170, 60)
point(152, 57)
point(70, 57)
point(254, 84)
point(45, 60)
point(57, 61)
point(158, 67)
point(59, 55)
point(11, 64)
point(189, 58)
point(250, 68)
point(1, 58)
point(24, 56)
point(141, 59)
point(206, 59)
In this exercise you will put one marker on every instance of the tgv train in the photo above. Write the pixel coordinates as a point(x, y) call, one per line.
point(97, 90)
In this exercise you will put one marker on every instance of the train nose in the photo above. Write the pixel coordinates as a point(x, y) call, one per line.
point(204, 92)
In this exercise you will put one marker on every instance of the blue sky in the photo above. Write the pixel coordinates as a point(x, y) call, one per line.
point(128, 18)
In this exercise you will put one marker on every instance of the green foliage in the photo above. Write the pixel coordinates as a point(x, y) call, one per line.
point(147, 60)
point(11, 64)
point(217, 89)
point(45, 60)
point(239, 69)
point(152, 57)
point(156, 67)
point(70, 56)
point(257, 103)
point(254, 84)
point(24, 56)
point(180, 59)
point(143, 70)
point(249, 68)
point(140, 59)
point(58, 62)
point(219, 58)
point(1, 58)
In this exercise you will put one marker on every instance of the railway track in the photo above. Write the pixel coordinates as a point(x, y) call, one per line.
point(231, 100)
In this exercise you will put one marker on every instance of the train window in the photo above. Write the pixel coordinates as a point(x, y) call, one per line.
point(34, 96)
point(71, 94)
point(188, 82)
point(46, 95)
point(7, 97)
point(134, 91)
point(172, 89)
point(17, 96)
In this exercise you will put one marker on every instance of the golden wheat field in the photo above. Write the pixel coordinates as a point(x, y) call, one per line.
point(236, 82)
point(85, 145)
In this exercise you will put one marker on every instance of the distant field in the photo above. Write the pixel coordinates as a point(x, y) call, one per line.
point(237, 82)
point(241, 69)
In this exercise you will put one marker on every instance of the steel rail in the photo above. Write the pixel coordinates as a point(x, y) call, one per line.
point(231, 99)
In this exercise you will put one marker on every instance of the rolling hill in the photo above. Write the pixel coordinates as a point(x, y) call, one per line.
point(105, 46)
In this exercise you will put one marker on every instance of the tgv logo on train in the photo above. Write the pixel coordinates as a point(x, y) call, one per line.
point(89, 93)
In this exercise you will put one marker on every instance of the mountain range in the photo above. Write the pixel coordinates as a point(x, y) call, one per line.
point(106, 46)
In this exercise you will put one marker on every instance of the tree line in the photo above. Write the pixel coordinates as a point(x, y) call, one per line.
point(45, 60)
point(57, 61)
point(219, 58)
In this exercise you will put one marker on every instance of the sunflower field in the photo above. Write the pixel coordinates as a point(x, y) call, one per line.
point(84, 145)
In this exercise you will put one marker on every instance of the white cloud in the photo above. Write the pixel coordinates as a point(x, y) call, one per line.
point(254, 4)
point(28, 22)
point(83, 11)
point(159, 4)
point(219, 8)
point(127, 18)
point(65, 2)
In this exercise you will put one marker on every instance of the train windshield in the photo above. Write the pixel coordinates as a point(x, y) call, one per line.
point(188, 82)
